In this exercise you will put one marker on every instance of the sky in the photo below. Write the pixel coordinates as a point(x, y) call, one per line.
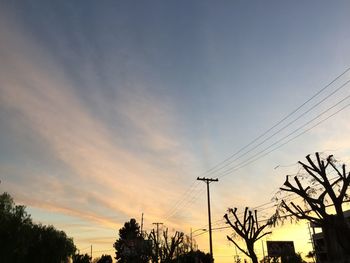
point(111, 109)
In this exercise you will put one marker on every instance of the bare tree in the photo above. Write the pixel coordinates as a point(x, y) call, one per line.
point(155, 246)
point(166, 249)
point(319, 193)
point(170, 245)
point(249, 229)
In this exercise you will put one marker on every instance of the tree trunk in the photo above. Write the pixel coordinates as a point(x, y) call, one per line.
point(252, 254)
point(343, 235)
point(336, 239)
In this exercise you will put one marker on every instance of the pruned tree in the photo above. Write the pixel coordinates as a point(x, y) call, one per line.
point(167, 249)
point(170, 245)
point(249, 229)
point(324, 198)
point(155, 246)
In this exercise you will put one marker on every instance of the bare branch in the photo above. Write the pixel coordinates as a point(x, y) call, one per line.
point(249, 230)
point(245, 252)
point(265, 234)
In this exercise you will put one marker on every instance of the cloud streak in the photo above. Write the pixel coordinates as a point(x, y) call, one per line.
point(103, 174)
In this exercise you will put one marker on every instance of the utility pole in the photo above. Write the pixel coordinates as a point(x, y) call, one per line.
point(142, 225)
point(91, 252)
point(209, 180)
point(157, 245)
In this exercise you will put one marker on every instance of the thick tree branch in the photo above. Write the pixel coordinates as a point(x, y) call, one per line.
point(299, 213)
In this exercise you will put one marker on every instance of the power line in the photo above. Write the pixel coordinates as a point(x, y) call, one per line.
point(189, 202)
point(265, 220)
point(239, 167)
point(280, 121)
point(284, 127)
point(287, 197)
point(247, 161)
point(184, 200)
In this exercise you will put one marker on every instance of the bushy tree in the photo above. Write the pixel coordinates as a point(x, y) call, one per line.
point(130, 246)
point(15, 227)
point(81, 258)
point(23, 241)
point(105, 259)
point(48, 244)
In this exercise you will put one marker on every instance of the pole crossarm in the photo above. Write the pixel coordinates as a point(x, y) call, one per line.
point(207, 179)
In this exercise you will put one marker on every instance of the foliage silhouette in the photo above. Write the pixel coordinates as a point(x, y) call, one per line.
point(131, 246)
point(296, 258)
point(81, 258)
point(23, 241)
point(194, 257)
point(105, 259)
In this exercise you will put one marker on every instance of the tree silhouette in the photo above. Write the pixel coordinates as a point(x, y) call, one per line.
point(105, 259)
point(194, 257)
point(296, 258)
point(81, 258)
point(249, 229)
point(131, 246)
point(319, 193)
point(23, 241)
point(169, 246)
point(155, 246)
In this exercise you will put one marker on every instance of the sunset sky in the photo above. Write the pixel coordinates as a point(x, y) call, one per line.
point(111, 109)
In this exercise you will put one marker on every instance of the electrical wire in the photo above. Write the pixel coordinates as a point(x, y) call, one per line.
point(282, 120)
point(185, 198)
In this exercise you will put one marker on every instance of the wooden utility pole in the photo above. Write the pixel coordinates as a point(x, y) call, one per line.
point(209, 180)
point(142, 225)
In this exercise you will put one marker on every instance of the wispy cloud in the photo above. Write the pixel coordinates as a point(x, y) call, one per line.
point(103, 173)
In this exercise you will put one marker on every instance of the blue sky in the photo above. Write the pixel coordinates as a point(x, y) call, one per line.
point(111, 109)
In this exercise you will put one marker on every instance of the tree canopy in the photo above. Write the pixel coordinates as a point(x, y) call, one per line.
point(23, 241)
point(81, 258)
point(131, 246)
point(105, 259)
